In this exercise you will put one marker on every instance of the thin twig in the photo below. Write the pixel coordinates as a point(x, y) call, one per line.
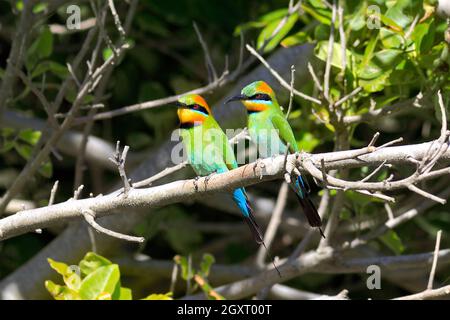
point(374, 172)
point(326, 81)
point(116, 18)
point(347, 97)
point(291, 93)
point(278, 76)
point(53, 193)
point(342, 38)
point(212, 74)
point(435, 259)
point(89, 216)
point(273, 224)
point(389, 211)
point(314, 76)
point(119, 160)
point(77, 192)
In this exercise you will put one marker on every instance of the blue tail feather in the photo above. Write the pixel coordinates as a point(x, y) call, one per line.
point(241, 200)
point(300, 187)
point(309, 209)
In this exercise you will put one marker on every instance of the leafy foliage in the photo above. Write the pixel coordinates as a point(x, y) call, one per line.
point(94, 278)
point(189, 273)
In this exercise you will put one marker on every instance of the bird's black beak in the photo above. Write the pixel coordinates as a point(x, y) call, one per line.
point(237, 98)
point(179, 104)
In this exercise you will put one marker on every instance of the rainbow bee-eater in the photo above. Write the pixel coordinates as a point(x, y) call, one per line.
point(270, 130)
point(208, 151)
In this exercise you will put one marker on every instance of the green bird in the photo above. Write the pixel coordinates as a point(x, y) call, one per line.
point(208, 150)
point(270, 130)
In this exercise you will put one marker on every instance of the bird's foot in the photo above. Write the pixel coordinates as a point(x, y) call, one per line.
point(291, 169)
point(259, 163)
point(195, 182)
point(208, 177)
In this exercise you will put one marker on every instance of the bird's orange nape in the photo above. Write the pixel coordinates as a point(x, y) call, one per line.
point(199, 100)
point(264, 87)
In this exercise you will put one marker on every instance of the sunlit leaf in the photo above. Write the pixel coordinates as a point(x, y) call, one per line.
point(295, 40)
point(321, 52)
point(125, 294)
point(61, 292)
point(71, 278)
point(29, 135)
point(271, 40)
point(103, 280)
point(92, 262)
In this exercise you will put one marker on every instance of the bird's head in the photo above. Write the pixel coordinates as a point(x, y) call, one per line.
point(192, 110)
point(257, 96)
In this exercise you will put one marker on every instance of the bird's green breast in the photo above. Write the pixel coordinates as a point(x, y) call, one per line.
point(265, 135)
point(207, 149)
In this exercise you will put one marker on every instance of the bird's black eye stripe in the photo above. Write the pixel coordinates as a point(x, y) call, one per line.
point(260, 96)
point(198, 108)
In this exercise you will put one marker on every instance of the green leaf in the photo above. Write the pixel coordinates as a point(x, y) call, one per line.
point(59, 267)
point(320, 14)
point(248, 25)
point(295, 40)
point(104, 280)
point(206, 263)
point(387, 58)
point(273, 15)
point(107, 53)
point(41, 48)
point(159, 296)
point(321, 52)
point(423, 37)
point(40, 7)
point(125, 294)
point(92, 262)
point(71, 278)
point(368, 52)
point(24, 150)
point(182, 261)
point(377, 84)
point(19, 5)
point(267, 32)
point(29, 135)
point(57, 69)
point(395, 19)
point(61, 292)
point(393, 242)
point(390, 39)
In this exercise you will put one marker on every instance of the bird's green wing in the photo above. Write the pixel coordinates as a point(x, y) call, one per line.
point(285, 131)
point(222, 145)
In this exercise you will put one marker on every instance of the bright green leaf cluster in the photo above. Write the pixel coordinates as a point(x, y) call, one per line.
point(94, 278)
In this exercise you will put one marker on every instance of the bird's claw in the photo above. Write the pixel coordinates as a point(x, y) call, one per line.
point(208, 177)
point(290, 170)
point(259, 163)
point(195, 182)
